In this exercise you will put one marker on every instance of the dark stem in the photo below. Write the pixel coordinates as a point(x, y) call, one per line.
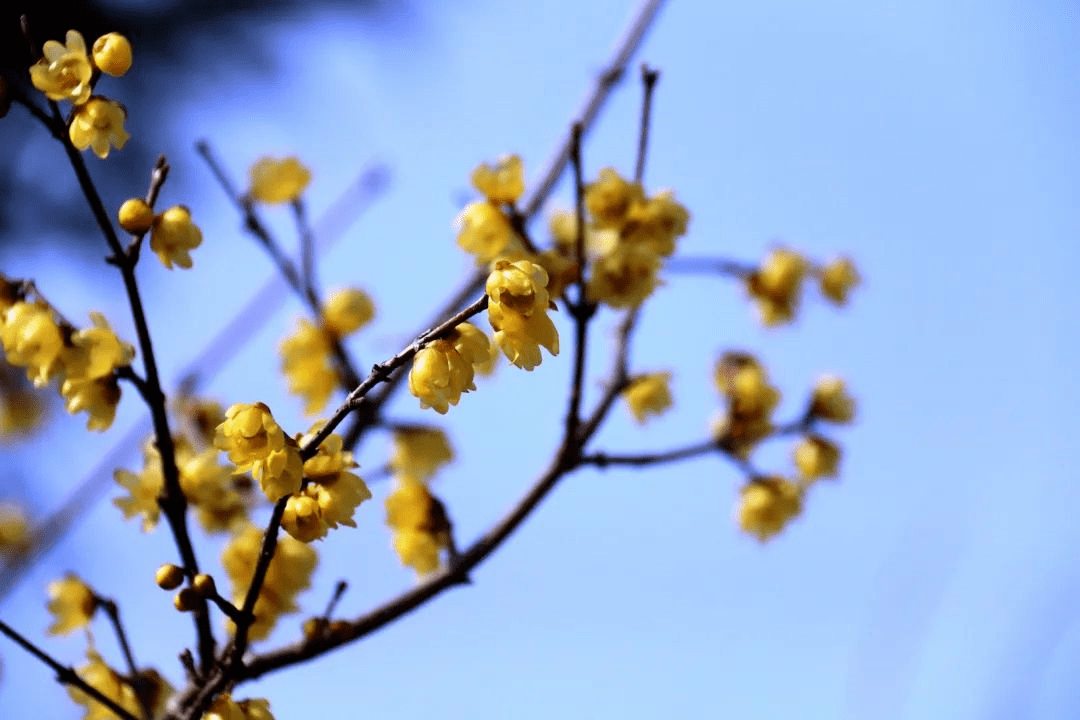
point(648, 82)
point(604, 460)
point(710, 266)
point(582, 309)
point(64, 674)
point(113, 612)
point(307, 249)
point(172, 501)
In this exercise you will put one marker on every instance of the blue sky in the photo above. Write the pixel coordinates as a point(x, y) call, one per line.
point(933, 141)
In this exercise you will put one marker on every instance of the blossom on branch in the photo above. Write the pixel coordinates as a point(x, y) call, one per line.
point(72, 604)
point(276, 181)
point(767, 504)
point(517, 311)
point(112, 54)
point(99, 124)
point(255, 442)
point(64, 71)
point(173, 236)
point(648, 395)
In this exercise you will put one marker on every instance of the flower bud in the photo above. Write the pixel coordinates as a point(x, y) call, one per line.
point(186, 600)
point(169, 576)
point(203, 584)
point(112, 54)
point(136, 216)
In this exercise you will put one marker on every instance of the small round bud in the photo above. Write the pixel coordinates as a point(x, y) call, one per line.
point(136, 216)
point(203, 584)
point(186, 600)
point(112, 54)
point(315, 628)
point(169, 576)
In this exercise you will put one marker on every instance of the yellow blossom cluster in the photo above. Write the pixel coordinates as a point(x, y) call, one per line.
point(288, 574)
point(85, 361)
point(331, 495)
point(225, 708)
point(14, 529)
point(419, 452)
point(67, 72)
point(628, 234)
point(420, 525)
point(776, 286)
point(445, 368)
point(517, 309)
point(767, 504)
point(275, 181)
point(484, 230)
point(255, 442)
point(751, 400)
point(648, 395)
point(72, 603)
point(307, 356)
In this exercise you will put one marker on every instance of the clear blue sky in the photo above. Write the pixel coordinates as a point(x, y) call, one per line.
point(934, 140)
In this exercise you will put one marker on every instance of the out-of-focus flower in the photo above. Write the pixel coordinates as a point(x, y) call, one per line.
point(777, 286)
point(275, 181)
point(348, 310)
point(831, 401)
point(649, 395)
point(837, 279)
point(72, 604)
point(767, 504)
point(503, 182)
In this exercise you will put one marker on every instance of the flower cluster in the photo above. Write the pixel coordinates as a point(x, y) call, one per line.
point(648, 395)
point(445, 368)
point(751, 401)
point(331, 495)
point(767, 504)
point(307, 356)
point(288, 574)
point(776, 286)
point(255, 442)
point(517, 309)
point(67, 72)
point(85, 361)
point(276, 181)
point(484, 230)
point(421, 527)
point(629, 235)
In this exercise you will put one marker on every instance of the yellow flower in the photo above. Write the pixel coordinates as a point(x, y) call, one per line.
point(484, 231)
point(471, 343)
point(831, 401)
point(143, 489)
point(98, 398)
point(561, 270)
point(276, 181)
point(257, 443)
point(135, 216)
point(816, 457)
point(72, 604)
point(656, 223)
point(64, 72)
point(439, 376)
point(32, 340)
point(302, 518)
point(419, 452)
point(777, 285)
point(742, 379)
point(330, 498)
point(109, 683)
point(518, 312)
point(502, 183)
point(173, 236)
point(421, 527)
point(610, 198)
point(307, 364)
point(225, 708)
point(767, 504)
point(208, 486)
point(99, 124)
point(837, 279)
point(96, 352)
point(112, 54)
point(624, 277)
point(21, 409)
point(14, 529)
point(348, 310)
point(649, 395)
point(288, 574)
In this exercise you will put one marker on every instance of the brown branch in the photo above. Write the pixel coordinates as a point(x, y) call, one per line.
point(113, 613)
point(307, 248)
point(710, 266)
point(172, 500)
point(64, 674)
point(648, 82)
point(604, 460)
point(582, 310)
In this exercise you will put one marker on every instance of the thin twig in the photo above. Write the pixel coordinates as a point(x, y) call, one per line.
point(113, 613)
point(648, 82)
point(64, 674)
point(307, 248)
point(583, 310)
point(604, 460)
point(172, 500)
point(710, 266)
point(157, 180)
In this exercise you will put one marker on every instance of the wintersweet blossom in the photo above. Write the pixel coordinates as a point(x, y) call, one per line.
point(831, 401)
point(173, 236)
point(275, 181)
point(98, 675)
point(331, 496)
point(777, 286)
point(420, 524)
point(816, 457)
point(112, 54)
point(501, 183)
point(135, 216)
point(648, 395)
point(98, 124)
point(143, 488)
point(96, 352)
point(767, 504)
point(610, 198)
point(624, 277)
point(98, 398)
point(255, 442)
point(208, 485)
point(517, 311)
point(656, 223)
point(225, 708)
point(347, 310)
point(32, 340)
point(484, 231)
point(418, 452)
point(837, 280)
point(64, 71)
point(439, 375)
point(71, 603)
point(306, 361)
